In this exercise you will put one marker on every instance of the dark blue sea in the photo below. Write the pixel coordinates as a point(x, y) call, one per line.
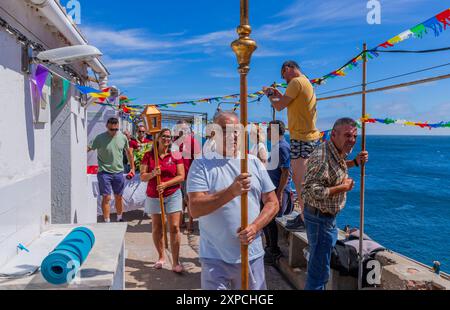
point(407, 196)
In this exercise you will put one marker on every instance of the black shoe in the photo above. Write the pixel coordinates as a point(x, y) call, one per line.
point(298, 225)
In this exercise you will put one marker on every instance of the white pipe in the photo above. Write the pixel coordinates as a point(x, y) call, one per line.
point(55, 14)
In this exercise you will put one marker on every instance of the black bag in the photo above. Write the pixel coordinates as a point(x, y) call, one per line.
point(344, 257)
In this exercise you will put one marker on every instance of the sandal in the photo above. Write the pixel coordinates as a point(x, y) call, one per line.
point(158, 265)
point(178, 269)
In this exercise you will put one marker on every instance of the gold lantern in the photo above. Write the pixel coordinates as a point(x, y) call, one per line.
point(152, 119)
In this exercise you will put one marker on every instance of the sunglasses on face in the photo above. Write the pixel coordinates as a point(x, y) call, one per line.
point(166, 137)
point(113, 129)
point(141, 131)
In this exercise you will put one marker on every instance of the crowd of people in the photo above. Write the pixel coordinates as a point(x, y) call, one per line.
point(206, 183)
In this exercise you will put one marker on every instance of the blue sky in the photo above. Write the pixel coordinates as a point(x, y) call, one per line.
point(165, 51)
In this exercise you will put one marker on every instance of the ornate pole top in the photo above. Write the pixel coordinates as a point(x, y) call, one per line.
point(244, 46)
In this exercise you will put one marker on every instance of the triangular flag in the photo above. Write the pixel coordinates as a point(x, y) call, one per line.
point(66, 86)
point(99, 95)
point(86, 90)
point(40, 76)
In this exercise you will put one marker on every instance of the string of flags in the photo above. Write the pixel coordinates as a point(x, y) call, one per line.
point(41, 74)
point(325, 135)
point(436, 25)
point(388, 121)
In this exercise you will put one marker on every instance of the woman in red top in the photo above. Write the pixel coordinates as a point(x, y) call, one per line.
point(172, 174)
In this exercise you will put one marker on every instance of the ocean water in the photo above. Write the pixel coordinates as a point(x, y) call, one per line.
point(407, 196)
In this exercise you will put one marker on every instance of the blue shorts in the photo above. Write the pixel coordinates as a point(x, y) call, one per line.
point(172, 204)
point(109, 183)
point(219, 275)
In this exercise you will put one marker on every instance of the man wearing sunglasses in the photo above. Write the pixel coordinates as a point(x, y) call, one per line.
point(110, 147)
point(300, 101)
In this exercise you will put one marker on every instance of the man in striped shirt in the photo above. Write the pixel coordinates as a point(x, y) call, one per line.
point(324, 194)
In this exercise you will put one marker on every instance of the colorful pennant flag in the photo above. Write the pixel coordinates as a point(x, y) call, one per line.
point(40, 77)
point(65, 88)
point(88, 90)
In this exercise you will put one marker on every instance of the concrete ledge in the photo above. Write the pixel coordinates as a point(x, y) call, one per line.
point(397, 272)
point(400, 273)
point(295, 276)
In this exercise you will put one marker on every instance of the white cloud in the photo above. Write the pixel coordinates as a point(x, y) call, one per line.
point(224, 74)
point(131, 71)
point(224, 37)
point(130, 39)
point(126, 63)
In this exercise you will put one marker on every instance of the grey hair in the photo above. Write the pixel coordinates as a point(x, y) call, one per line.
point(344, 121)
point(221, 114)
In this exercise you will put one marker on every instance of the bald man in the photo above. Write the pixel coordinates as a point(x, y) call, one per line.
point(215, 185)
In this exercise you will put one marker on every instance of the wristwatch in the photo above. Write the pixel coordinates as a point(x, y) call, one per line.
point(355, 162)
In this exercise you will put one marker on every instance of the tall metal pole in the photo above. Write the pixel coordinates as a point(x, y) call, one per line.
point(244, 48)
point(363, 171)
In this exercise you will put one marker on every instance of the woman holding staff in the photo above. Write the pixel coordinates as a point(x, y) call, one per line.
point(171, 172)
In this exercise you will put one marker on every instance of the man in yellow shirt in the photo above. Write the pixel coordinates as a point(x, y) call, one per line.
point(300, 101)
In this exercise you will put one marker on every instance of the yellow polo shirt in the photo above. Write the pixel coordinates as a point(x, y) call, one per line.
point(302, 112)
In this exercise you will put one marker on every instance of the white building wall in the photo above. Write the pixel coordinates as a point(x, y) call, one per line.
point(24, 156)
point(26, 162)
point(81, 211)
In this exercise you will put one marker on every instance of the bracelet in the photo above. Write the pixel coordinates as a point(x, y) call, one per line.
point(355, 162)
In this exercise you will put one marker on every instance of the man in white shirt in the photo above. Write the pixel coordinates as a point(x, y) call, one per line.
point(215, 186)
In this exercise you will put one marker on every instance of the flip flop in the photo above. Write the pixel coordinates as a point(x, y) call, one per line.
point(178, 269)
point(158, 265)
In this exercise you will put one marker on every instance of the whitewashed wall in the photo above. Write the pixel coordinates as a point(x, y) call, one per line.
point(27, 194)
point(24, 156)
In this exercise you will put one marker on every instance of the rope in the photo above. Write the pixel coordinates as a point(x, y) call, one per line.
point(437, 78)
point(417, 52)
point(386, 79)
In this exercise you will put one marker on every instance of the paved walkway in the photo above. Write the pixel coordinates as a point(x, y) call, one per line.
point(141, 255)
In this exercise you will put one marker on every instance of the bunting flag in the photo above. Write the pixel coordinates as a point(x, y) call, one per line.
point(40, 77)
point(437, 24)
point(41, 74)
point(254, 97)
point(326, 135)
point(388, 121)
point(85, 90)
point(66, 86)
point(101, 95)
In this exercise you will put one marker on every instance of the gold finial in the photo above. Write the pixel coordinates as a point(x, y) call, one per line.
point(244, 46)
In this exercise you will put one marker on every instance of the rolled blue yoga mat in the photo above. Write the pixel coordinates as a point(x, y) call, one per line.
point(62, 264)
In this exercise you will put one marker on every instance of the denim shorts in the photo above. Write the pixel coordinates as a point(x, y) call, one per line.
point(109, 183)
point(303, 149)
point(172, 204)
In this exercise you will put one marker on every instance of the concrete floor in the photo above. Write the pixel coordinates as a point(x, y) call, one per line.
point(141, 255)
